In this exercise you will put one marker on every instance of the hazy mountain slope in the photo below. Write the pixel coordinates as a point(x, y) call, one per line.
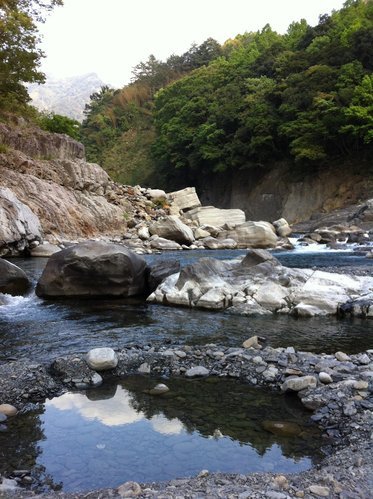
point(67, 96)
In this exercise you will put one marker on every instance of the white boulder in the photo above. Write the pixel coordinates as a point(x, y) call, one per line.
point(102, 359)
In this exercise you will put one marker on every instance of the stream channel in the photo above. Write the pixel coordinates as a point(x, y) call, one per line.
point(105, 436)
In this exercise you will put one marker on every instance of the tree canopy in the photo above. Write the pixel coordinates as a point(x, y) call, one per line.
point(19, 53)
point(304, 98)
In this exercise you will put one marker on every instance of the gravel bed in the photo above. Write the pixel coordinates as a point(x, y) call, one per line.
point(338, 389)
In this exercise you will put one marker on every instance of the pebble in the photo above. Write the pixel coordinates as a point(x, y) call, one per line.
point(101, 359)
point(363, 359)
point(298, 384)
point(272, 494)
point(203, 473)
point(129, 489)
point(144, 368)
point(96, 380)
point(181, 354)
point(349, 409)
point(325, 378)
point(8, 410)
point(197, 371)
point(342, 357)
point(252, 342)
point(281, 482)
point(361, 385)
point(319, 490)
point(270, 374)
point(159, 389)
point(3, 417)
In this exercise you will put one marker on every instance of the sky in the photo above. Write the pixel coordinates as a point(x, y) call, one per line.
point(109, 37)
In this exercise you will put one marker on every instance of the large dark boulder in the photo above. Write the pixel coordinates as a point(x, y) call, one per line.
point(93, 269)
point(13, 280)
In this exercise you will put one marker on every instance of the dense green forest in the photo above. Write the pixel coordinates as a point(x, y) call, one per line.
point(304, 97)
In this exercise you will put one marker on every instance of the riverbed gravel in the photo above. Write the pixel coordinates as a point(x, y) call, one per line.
point(337, 389)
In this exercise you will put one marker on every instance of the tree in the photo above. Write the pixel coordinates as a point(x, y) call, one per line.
point(57, 123)
point(19, 54)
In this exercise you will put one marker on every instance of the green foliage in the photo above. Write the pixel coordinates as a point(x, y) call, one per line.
point(19, 54)
point(57, 123)
point(304, 98)
point(118, 130)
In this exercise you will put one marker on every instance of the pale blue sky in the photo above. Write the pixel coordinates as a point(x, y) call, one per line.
point(109, 37)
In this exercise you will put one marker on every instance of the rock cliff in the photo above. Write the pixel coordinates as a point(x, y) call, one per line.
point(280, 193)
point(48, 191)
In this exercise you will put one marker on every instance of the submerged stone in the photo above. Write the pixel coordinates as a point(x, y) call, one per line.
point(159, 389)
point(8, 410)
point(282, 428)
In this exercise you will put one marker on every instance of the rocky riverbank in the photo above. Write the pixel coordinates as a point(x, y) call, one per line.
point(337, 389)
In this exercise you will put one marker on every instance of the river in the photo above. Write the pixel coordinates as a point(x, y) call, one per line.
point(34, 328)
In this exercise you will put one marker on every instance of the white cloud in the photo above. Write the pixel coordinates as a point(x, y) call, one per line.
point(115, 411)
point(166, 426)
point(110, 412)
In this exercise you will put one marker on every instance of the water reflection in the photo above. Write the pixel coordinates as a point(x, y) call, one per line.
point(106, 436)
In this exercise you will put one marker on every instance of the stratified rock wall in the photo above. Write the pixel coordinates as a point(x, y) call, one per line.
point(280, 193)
point(37, 143)
point(67, 195)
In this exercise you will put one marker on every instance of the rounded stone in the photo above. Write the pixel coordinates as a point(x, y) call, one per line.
point(197, 371)
point(341, 356)
point(96, 380)
point(159, 389)
point(129, 489)
point(282, 428)
point(325, 378)
point(101, 359)
point(252, 342)
point(8, 410)
point(319, 490)
point(3, 417)
point(300, 383)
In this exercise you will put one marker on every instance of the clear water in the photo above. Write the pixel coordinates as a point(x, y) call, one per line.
point(31, 327)
point(108, 435)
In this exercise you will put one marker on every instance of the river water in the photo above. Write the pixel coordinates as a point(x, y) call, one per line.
point(105, 436)
point(39, 329)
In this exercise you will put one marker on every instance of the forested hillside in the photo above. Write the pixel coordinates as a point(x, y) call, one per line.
point(304, 98)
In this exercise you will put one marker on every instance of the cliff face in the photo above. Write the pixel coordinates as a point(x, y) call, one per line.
point(48, 191)
point(275, 194)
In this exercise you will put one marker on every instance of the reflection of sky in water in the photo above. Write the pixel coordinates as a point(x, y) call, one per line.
point(117, 433)
point(115, 411)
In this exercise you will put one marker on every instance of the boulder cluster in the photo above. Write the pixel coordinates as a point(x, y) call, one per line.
point(50, 194)
point(259, 285)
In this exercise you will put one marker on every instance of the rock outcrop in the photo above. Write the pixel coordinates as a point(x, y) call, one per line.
point(48, 190)
point(259, 284)
point(93, 269)
point(171, 227)
point(38, 144)
point(253, 235)
point(19, 226)
point(183, 200)
point(277, 193)
point(13, 280)
point(209, 215)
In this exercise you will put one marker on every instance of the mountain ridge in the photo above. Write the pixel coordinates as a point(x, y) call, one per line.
point(67, 96)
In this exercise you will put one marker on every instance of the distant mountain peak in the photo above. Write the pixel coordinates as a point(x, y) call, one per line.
point(67, 96)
